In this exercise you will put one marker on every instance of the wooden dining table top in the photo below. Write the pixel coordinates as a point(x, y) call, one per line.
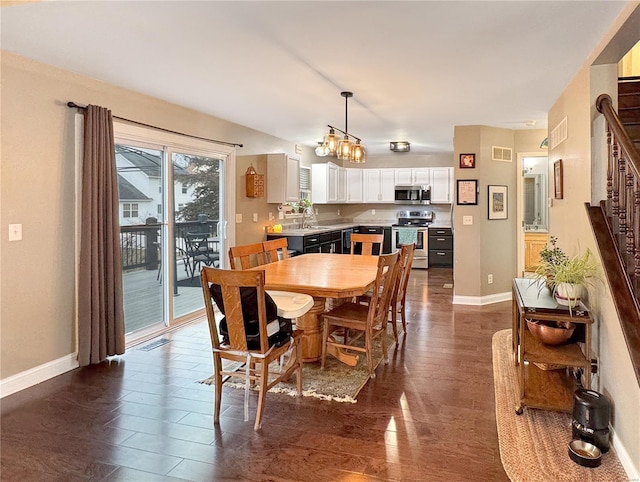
point(322, 275)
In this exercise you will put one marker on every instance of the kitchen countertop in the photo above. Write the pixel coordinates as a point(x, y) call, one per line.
point(326, 228)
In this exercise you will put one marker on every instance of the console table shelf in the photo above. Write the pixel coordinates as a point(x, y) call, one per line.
point(544, 371)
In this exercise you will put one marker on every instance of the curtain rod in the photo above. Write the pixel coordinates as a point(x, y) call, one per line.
point(233, 144)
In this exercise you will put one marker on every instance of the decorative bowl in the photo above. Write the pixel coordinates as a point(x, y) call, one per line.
point(550, 334)
point(584, 453)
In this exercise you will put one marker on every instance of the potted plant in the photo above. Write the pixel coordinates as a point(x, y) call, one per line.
point(572, 276)
point(566, 276)
point(551, 256)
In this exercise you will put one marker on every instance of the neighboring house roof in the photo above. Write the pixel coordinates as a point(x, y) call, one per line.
point(146, 162)
point(128, 192)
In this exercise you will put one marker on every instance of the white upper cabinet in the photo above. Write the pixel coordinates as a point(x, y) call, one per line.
point(379, 185)
point(342, 184)
point(324, 183)
point(354, 186)
point(283, 178)
point(441, 185)
point(408, 177)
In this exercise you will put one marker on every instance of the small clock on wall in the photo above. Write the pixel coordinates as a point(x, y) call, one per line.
point(254, 183)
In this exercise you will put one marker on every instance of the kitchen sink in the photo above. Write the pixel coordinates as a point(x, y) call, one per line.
point(319, 227)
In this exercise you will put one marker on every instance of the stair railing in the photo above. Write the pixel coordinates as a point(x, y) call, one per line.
point(616, 226)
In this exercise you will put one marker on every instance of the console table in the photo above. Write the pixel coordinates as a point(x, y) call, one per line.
point(541, 387)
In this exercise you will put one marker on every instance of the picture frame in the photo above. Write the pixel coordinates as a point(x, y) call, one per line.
point(467, 161)
point(467, 192)
point(557, 179)
point(498, 202)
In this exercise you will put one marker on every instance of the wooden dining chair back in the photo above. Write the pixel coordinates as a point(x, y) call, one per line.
point(252, 365)
point(371, 243)
point(246, 256)
point(273, 246)
point(398, 298)
point(369, 322)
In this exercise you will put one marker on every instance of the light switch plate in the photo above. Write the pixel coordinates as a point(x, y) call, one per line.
point(255, 217)
point(15, 232)
point(270, 216)
point(467, 220)
point(239, 218)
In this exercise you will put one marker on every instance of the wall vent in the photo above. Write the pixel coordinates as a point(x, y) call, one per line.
point(504, 154)
point(558, 134)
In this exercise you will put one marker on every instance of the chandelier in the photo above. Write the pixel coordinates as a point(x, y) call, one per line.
point(344, 148)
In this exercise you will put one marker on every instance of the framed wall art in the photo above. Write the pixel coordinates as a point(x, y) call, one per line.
point(467, 192)
point(467, 161)
point(557, 179)
point(498, 202)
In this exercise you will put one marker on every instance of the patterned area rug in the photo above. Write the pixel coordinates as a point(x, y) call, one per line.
point(337, 382)
point(534, 445)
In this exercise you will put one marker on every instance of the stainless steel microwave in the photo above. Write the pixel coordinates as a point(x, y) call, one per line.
point(413, 194)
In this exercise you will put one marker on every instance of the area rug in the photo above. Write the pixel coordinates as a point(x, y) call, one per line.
point(534, 445)
point(337, 382)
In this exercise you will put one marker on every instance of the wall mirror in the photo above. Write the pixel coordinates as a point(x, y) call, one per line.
point(535, 187)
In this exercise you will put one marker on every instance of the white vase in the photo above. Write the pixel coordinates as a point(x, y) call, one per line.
point(568, 294)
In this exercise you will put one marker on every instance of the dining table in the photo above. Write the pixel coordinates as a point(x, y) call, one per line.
point(322, 276)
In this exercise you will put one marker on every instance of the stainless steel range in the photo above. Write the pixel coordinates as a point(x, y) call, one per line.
point(412, 226)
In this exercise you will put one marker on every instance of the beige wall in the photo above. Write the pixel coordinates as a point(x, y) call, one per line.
point(584, 156)
point(37, 190)
point(480, 248)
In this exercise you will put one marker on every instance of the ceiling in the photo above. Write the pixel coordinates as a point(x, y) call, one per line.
point(416, 68)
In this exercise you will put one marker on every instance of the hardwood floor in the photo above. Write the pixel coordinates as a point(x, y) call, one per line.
point(428, 415)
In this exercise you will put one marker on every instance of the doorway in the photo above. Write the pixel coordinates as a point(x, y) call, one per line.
point(172, 214)
point(533, 211)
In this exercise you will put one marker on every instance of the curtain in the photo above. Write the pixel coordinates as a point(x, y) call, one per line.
point(100, 305)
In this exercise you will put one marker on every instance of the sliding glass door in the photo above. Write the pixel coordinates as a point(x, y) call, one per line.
point(172, 220)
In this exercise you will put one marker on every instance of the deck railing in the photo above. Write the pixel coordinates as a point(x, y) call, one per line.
point(140, 243)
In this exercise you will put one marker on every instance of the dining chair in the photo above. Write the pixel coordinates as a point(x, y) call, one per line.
point(273, 246)
point(249, 256)
point(252, 363)
point(367, 241)
point(399, 294)
point(369, 321)
point(197, 252)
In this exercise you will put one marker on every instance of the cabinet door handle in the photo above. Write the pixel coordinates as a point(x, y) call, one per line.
point(440, 239)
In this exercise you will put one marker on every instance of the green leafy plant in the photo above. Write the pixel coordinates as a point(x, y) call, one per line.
point(580, 269)
point(551, 256)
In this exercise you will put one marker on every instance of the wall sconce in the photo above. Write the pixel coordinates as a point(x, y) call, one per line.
point(400, 146)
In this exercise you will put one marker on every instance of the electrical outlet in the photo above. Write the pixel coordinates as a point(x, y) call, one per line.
point(373, 211)
point(338, 212)
point(316, 211)
point(490, 279)
point(255, 217)
point(467, 220)
point(270, 216)
point(594, 365)
point(239, 218)
point(280, 215)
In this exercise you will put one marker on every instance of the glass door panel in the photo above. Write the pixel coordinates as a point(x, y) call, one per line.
point(140, 177)
point(196, 223)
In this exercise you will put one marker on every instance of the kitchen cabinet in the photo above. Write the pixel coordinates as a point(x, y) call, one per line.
point(342, 184)
point(409, 177)
point(324, 183)
point(441, 185)
point(379, 185)
point(547, 373)
point(441, 247)
point(327, 242)
point(355, 192)
point(533, 244)
point(283, 178)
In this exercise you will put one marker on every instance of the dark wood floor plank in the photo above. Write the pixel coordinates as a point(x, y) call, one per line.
point(428, 415)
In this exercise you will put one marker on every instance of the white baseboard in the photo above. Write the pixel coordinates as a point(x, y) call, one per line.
point(482, 300)
point(623, 456)
point(38, 374)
